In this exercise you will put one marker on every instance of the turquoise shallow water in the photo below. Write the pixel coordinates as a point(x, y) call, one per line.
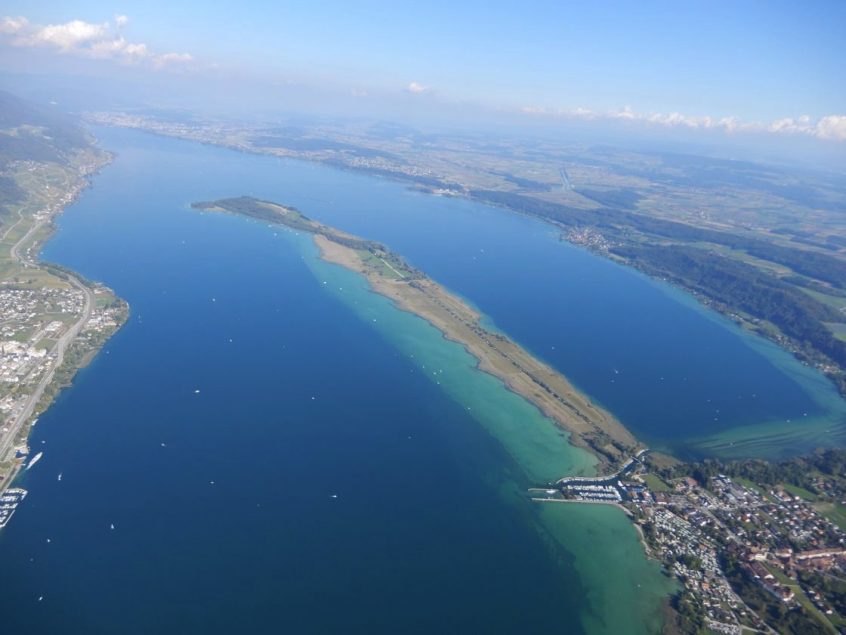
point(232, 524)
point(542, 450)
point(679, 376)
point(623, 591)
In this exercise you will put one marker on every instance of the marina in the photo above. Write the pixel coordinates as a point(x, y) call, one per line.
point(613, 488)
point(9, 502)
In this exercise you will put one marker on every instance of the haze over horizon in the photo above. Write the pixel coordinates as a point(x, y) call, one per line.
point(761, 75)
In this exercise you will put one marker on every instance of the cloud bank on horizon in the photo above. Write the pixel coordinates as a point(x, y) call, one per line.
point(86, 39)
point(830, 127)
point(106, 41)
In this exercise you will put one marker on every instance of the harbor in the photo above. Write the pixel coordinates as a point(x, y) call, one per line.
point(612, 488)
point(9, 502)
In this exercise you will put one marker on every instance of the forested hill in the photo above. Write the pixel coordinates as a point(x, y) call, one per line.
point(33, 132)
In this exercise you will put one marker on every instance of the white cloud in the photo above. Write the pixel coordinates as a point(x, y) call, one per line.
point(416, 88)
point(168, 59)
point(832, 127)
point(729, 124)
point(86, 39)
point(625, 113)
point(10, 25)
point(584, 113)
point(68, 36)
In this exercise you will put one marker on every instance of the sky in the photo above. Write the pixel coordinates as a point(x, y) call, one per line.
point(743, 66)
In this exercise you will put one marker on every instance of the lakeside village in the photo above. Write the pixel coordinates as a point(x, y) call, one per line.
point(748, 557)
point(34, 321)
point(239, 138)
point(51, 322)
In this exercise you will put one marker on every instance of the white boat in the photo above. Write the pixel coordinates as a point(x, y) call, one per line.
point(34, 460)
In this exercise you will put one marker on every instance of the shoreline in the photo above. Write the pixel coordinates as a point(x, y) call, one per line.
point(78, 346)
point(783, 341)
point(588, 426)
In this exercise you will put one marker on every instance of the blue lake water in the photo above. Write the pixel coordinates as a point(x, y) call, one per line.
point(343, 468)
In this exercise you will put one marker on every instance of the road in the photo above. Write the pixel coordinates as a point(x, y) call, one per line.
point(57, 353)
point(11, 227)
point(387, 264)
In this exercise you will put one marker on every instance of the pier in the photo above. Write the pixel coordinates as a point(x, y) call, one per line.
point(9, 501)
point(609, 489)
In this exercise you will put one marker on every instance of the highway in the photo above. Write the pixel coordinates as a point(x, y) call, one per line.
point(57, 353)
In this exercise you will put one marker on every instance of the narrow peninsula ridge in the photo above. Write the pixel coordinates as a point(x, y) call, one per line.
point(390, 275)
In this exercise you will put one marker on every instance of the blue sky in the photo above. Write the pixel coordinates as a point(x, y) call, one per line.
point(756, 61)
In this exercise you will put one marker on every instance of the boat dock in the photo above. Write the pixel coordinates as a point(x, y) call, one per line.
point(612, 488)
point(9, 501)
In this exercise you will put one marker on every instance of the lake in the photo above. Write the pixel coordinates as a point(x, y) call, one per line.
point(343, 468)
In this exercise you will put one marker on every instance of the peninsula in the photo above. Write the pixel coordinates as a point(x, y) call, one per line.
point(388, 274)
point(760, 244)
point(755, 546)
